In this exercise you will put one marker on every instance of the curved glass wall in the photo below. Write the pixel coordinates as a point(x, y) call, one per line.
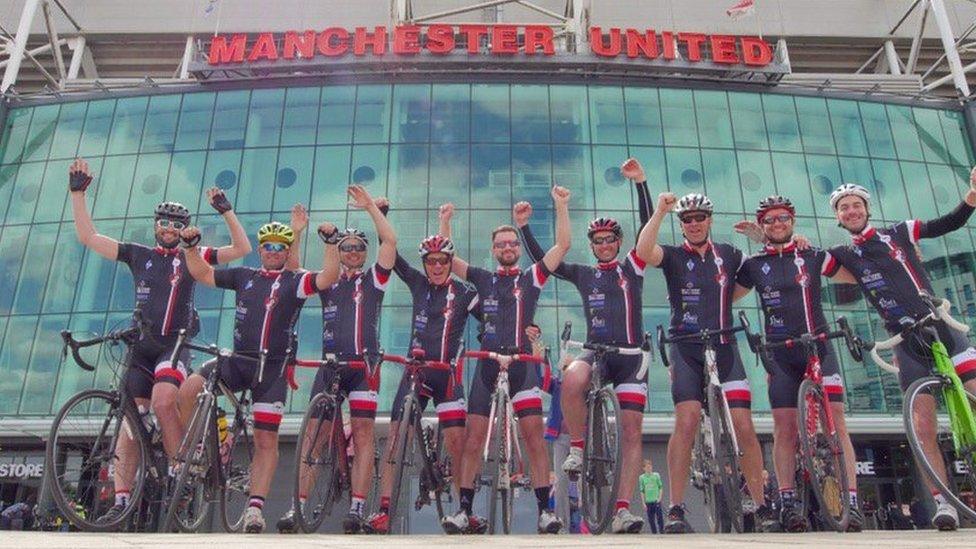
point(481, 146)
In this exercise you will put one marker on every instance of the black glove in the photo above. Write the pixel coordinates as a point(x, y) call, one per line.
point(220, 202)
point(78, 181)
point(191, 242)
point(329, 238)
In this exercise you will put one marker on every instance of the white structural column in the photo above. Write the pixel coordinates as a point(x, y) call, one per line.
point(20, 44)
point(949, 45)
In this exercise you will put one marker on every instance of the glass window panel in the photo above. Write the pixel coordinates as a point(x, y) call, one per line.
point(13, 243)
point(264, 118)
point(214, 232)
point(412, 226)
point(43, 368)
point(678, 117)
point(258, 168)
point(14, 357)
point(825, 176)
point(571, 114)
point(223, 170)
point(531, 175)
point(684, 171)
point(196, 117)
point(857, 170)
point(814, 125)
point(159, 133)
point(490, 113)
point(571, 169)
point(917, 183)
point(15, 135)
point(8, 176)
point(301, 116)
point(113, 186)
point(63, 278)
point(945, 188)
point(130, 114)
point(67, 136)
point(95, 283)
point(98, 123)
point(714, 127)
point(411, 113)
point(957, 139)
point(643, 108)
point(449, 175)
point(185, 178)
point(451, 113)
point(72, 379)
point(369, 168)
point(747, 120)
point(721, 177)
point(874, 116)
point(229, 120)
point(330, 178)
point(42, 127)
point(338, 105)
point(30, 287)
point(904, 131)
point(408, 169)
point(293, 178)
point(890, 191)
point(491, 177)
point(781, 123)
point(606, 114)
point(756, 177)
point(149, 182)
point(792, 181)
point(930, 134)
point(848, 128)
point(26, 192)
point(655, 168)
point(52, 195)
point(309, 344)
point(373, 114)
point(530, 107)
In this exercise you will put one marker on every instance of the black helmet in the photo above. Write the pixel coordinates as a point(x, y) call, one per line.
point(173, 211)
point(604, 224)
point(773, 202)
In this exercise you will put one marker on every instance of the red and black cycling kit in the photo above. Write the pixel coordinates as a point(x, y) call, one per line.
point(350, 319)
point(789, 283)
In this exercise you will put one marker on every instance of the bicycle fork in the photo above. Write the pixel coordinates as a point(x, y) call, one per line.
point(713, 380)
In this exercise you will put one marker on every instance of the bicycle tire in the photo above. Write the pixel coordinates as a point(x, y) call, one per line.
point(323, 467)
point(195, 458)
point(235, 474)
point(403, 450)
point(58, 445)
point(702, 471)
point(498, 466)
point(823, 457)
point(928, 384)
point(727, 464)
point(436, 464)
point(600, 481)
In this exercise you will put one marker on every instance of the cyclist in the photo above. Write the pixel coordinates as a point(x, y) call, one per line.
point(611, 294)
point(164, 292)
point(268, 302)
point(441, 304)
point(350, 318)
point(700, 278)
point(788, 278)
point(508, 299)
point(892, 275)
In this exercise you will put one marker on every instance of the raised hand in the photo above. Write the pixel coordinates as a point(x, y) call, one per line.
point(78, 176)
point(299, 218)
point(972, 179)
point(190, 236)
point(666, 202)
point(560, 195)
point(328, 232)
point(445, 212)
point(218, 200)
point(382, 203)
point(359, 197)
point(521, 212)
point(751, 229)
point(632, 169)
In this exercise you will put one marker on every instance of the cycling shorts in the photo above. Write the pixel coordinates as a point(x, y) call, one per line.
point(789, 368)
point(524, 387)
point(151, 364)
point(688, 373)
point(621, 371)
point(440, 386)
point(268, 396)
point(363, 392)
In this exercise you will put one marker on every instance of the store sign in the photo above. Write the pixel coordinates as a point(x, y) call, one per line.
point(407, 41)
point(21, 471)
point(959, 467)
point(865, 469)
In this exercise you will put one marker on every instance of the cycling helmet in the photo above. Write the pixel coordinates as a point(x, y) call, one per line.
point(436, 244)
point(604, 224)
point(352, 233)
point(276, 232)
point(694, 202)
point(173, 211)
point(848, 189)
point(773, 202)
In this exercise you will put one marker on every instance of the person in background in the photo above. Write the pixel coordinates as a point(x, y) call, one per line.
point(651, 487)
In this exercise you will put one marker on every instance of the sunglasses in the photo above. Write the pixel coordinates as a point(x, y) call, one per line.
point(352, 247)
point(695, 217)
point(274, 247)
point(782, 218)
point(604, 239)
point(170, 224)
point(506, 244)
point(437, 260)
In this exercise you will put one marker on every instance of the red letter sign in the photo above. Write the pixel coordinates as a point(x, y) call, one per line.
point(334, 42)
point(504, 39)
point(474, 34)
point(376, 41)
point(641, 44)
point(723, 49)
point(440, 39)
point(694, 41)
point(539, 37)
point(755, 51)
point(264, 48)
point(599, 48)
point(221, 53)
point(303, 44)
point(406, 40)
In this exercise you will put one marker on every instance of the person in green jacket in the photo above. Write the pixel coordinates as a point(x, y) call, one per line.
point(651, 487)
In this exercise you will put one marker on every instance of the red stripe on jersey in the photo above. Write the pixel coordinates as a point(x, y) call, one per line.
point(308, 284)
point(637, 259)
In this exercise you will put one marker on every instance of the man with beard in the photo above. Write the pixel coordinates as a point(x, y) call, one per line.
point(611, 294)
point(892, 276)
point(164, 293)
point(508, 299)
point(788, 280)
point(700, 277)
point(350, 320)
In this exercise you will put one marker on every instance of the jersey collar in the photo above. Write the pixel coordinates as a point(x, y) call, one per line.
point(167, 251)
point(773, 250)
point(347, 275)
point(864, 236)
point(608, 266)
point(509, 271)
point(269, 273)
point(691, 249)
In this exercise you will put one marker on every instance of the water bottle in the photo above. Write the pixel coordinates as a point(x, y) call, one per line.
point(221, 425)
point(149, 422)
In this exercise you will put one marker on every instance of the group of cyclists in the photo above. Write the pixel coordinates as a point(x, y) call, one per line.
point(703, 277)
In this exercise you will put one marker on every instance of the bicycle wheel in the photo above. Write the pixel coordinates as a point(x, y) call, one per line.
point(965, 478)
point(726, 462)
point(188, 505)
point(600, 481)
point(317, 465)
point(702, 477)
point(83, 461)
point(400, 459)
point(236, 456)
point(498, 467)
point(437, 467)
point(823, 457)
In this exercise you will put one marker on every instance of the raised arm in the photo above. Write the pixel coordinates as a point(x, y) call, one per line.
point(200, 270)
point(298, 223)
point(956, 218)
point(79, 177)
point(444, 215)
point(401, 266)
point(239, 244)
point(329, 235)
point(554, 257)
point(360, 198)
point(632, 169)
point(647, 247)
point(521, 213)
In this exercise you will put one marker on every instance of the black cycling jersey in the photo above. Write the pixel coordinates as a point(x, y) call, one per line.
point(700, 287)
point(351, 311)
point(508, 299)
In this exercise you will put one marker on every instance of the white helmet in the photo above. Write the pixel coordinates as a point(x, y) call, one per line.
point(848, 189)
point(693, 202)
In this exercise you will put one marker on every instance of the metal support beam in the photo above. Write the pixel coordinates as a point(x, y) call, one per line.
point(77, 47)
point(187, 58)
point(949, 45)
point(917, 41)
point(891, 56)
point(464, 9)
point(541, 10)
point(52, 35)
point(38, 50)
point(20, 44)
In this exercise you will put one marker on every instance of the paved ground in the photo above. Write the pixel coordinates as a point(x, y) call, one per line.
point(866, 540)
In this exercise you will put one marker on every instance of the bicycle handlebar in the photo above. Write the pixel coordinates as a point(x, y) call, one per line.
point(762, 348)
point(126, 335)
point(370, 362)
point(565, 344)
point(703, 336)
point(504, 360)
point(939, 311)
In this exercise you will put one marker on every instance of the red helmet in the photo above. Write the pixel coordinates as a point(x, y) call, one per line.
point(436, 244)
point(605, 224)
